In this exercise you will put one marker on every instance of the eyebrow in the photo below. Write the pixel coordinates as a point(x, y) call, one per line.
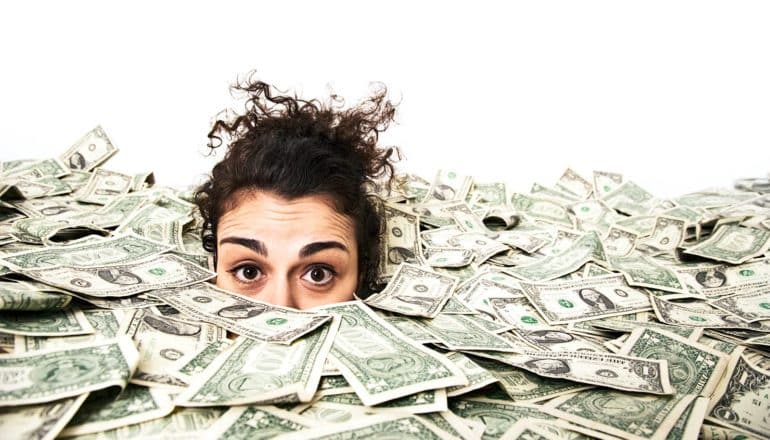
point(307, 250)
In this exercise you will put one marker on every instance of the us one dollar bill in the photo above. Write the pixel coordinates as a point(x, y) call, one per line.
point(371, 426)
point(47, 375)
point(399, 243)
point(380, 363)
point(733, 244)
point(43, 421)
point(104, 186)
point(587, 248)
point(22, 296)
point(460, 332)
point(717, 280)
point(105, 324)
point(604, 369)
point(160, 272)
point(70, 321)
point(585, 299)
point(102, 412)
point(163, 342)
point(748, 306)
point(259, 372)
point(90, 151)
point(242, 315)
point(117, 250)
point(701, 315)
point(256, 423)
point(742, 400)
point(414, 291)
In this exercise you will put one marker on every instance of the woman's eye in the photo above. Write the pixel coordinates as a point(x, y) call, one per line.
point(320, 275)
point(246, 273)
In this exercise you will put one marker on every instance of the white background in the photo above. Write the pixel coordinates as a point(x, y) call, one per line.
point(675, 95)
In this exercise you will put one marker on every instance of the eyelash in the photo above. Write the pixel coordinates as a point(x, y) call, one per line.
point(234, 271)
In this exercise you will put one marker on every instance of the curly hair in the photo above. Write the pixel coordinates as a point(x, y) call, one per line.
point(296, 148)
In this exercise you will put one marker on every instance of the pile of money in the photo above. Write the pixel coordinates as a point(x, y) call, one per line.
point(581, 309)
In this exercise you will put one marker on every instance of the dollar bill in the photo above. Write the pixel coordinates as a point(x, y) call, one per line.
point(459, 332)
point(516, 311)
point(574, 183)
point(585, 299)
point(70, 321)
point(742, 402)
point(749, 306)
point(117, 250)
point(478, 377)
point(160, 272)
point(454, 425)
point(371, 426)
point(497, 416)
point(642, 271)
point(104, 186)
point(605, 182)
point(242, 315)
point(587, 248)
point(162, 342)
point(447, 257)
point(400, 242)
point(252, 372)
point(629, 198)
point(414, 291)
point(604, 369)
point(181, 423)
point(555, 339)
point(733, 244)
point(717, 280)
point(165, 209)
point(102, 412)
point(528, 429)
point(422, 402)
point(448, 185)
point(705, 364)
point(48, 375)
point(88, 152)
point(521, 386)
point(701, 315)
point(43, 421)
point(105, 324)
point(554, 193)
point(467, 220)
point(129, 302)
point(527, 242)
point(380, 363)
point(21, 296)
point(191, 365)
point(256, 423)
point(410, 328)
point(501, 217)
point(593, 215)
point(626, 326)
point(541, 209)
point(669, 233)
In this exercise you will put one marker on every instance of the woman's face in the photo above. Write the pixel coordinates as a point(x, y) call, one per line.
point(297, 253)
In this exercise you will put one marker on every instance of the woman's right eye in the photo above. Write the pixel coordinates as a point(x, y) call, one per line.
point(246, 273)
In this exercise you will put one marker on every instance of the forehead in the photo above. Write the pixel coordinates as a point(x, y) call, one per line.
point(266, 215)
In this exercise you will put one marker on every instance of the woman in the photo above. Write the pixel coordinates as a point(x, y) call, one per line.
point(286, 211)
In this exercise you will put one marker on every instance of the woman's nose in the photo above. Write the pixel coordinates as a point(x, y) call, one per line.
point(278, 292)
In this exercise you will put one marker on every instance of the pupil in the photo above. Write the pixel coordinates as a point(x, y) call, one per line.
point(318, 272)
point(248, 272)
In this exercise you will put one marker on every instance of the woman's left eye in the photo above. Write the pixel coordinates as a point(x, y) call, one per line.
point(320, 275)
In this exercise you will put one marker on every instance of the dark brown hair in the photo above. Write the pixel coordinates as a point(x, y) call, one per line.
point(296, 148)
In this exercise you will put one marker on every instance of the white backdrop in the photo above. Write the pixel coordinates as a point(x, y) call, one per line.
point(673, 94)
